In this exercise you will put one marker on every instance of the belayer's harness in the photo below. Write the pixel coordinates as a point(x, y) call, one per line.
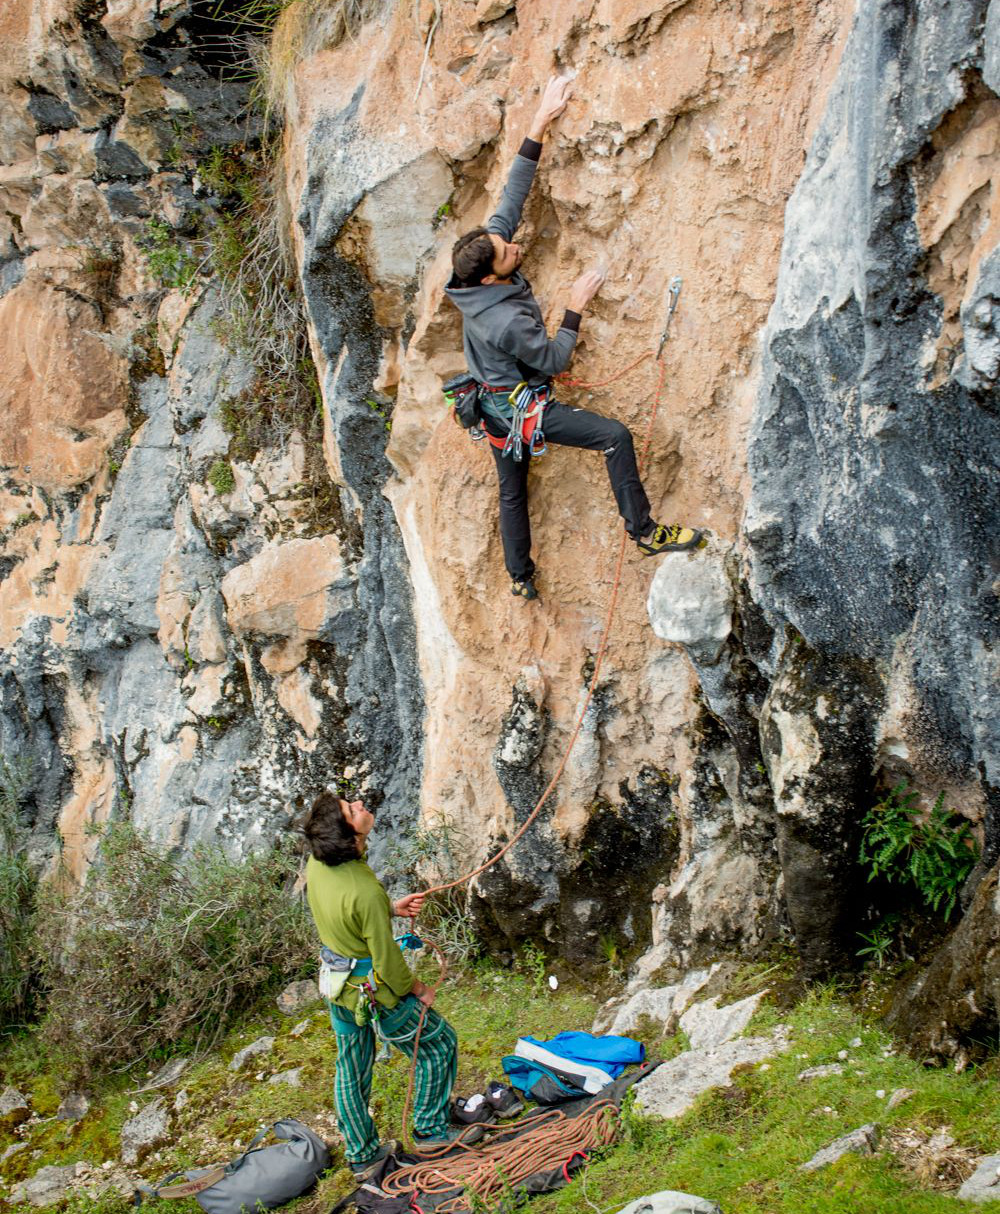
point(336, 972)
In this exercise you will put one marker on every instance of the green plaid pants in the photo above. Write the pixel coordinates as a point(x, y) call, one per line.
point(437, 1065)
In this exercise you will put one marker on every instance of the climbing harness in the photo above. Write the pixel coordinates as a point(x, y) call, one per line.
point(673, 296)
point(524, 427)
point(336, 971)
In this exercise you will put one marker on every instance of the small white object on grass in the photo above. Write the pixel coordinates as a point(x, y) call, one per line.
point(553, 982)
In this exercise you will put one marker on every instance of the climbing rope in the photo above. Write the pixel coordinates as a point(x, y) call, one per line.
point(673, 296)
point(543, 1140)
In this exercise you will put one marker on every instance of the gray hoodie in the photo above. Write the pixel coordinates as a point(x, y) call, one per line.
point(502, 327)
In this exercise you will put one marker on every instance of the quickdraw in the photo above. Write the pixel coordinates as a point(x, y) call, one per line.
point(528, 405)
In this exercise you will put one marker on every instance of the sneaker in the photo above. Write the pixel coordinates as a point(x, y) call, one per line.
point(476, 1109)
point(503, 1100)
point(466, 1134)
point(524, 589)
point(385, 1149)
point(668, 539)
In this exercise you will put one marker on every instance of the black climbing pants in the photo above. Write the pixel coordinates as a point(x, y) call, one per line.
point(567, 427)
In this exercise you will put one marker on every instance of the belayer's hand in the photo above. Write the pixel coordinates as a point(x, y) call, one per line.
point(584, 289)
point(408, 907)
point(423, 992)
point(554, 101)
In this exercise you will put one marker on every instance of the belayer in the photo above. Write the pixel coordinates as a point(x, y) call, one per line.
point(512, 360)
point(369, 987)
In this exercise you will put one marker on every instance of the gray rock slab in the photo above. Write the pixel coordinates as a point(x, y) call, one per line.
point(670, 1201)
point(46, 1187)
point(821, 1072)
point(144, 1131)
point(11, 1101)
point(299, 1029)
point(74, 1107)
point(984, 1183)
point(297, 995)
point(292, 1078)
point(12, 1150)
point(709, 1026)
point(169, 1073)
point(662, 1003)
point(263, 1045)
point(673, 1087)
point(899, 1095)
point(690, 600)
point(862, 1141)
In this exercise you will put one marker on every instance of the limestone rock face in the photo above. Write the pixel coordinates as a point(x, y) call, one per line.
point(202, 631)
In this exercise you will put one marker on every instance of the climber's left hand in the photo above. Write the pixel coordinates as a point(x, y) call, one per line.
point(554, 100)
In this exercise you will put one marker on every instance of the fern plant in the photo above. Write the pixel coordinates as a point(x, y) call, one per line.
point(935, 855)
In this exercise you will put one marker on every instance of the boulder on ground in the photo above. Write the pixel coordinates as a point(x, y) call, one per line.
point(46, 1187)
point(862, 1141)
point(297, 995)
point(74, 1107)
point(146, 1130)
point(13, 1108)
point(669, 1201)
point(263, 1045)
point(984, 1183)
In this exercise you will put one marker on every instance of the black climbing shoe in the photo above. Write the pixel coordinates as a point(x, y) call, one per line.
point(668, 539)
point(524, 589)
point(503, 1099)
point(473, 1111)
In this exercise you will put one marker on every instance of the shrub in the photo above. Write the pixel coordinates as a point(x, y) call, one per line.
point(934, 854)
point(167, 259)
point(160, 953)
point(221, 478)
point(17, 888)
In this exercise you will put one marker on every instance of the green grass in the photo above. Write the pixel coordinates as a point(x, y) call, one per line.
point(740, 1146)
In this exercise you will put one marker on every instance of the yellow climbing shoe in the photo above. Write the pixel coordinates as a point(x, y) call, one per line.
point(668, 539)
point(524, 589)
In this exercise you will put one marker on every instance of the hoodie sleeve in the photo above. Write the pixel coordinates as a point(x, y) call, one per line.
point(522, 173)
point(526, 339)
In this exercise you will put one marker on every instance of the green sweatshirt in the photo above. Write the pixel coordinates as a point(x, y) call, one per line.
point(353, 916)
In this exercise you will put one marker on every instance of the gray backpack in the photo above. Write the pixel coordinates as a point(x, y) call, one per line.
point(258, 1178)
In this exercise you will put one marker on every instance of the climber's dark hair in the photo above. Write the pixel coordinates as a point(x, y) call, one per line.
point(332, 839)
point(472, 257)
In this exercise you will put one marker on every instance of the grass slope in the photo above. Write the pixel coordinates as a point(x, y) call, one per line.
point(740, 1146)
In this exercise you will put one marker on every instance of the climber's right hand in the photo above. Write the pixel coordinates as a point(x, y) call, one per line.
point(584, 289)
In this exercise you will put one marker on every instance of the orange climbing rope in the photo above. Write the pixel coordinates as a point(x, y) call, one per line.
point(674, 294)
point(487, 1168)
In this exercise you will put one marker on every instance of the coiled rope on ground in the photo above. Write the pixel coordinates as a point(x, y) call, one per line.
point(490, 1167)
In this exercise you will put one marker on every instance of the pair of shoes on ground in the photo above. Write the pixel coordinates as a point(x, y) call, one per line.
point(665, 538)
point(485, 1108)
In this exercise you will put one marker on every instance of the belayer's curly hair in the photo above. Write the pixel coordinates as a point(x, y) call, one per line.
point(472, 257)
point(332, 839)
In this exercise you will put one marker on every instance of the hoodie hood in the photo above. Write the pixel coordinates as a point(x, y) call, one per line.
point(472, 302)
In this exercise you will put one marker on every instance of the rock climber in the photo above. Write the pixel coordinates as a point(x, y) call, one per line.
point(506, 345)
point(378, 994)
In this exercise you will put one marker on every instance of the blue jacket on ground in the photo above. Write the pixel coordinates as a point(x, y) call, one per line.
point(611, 1054)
